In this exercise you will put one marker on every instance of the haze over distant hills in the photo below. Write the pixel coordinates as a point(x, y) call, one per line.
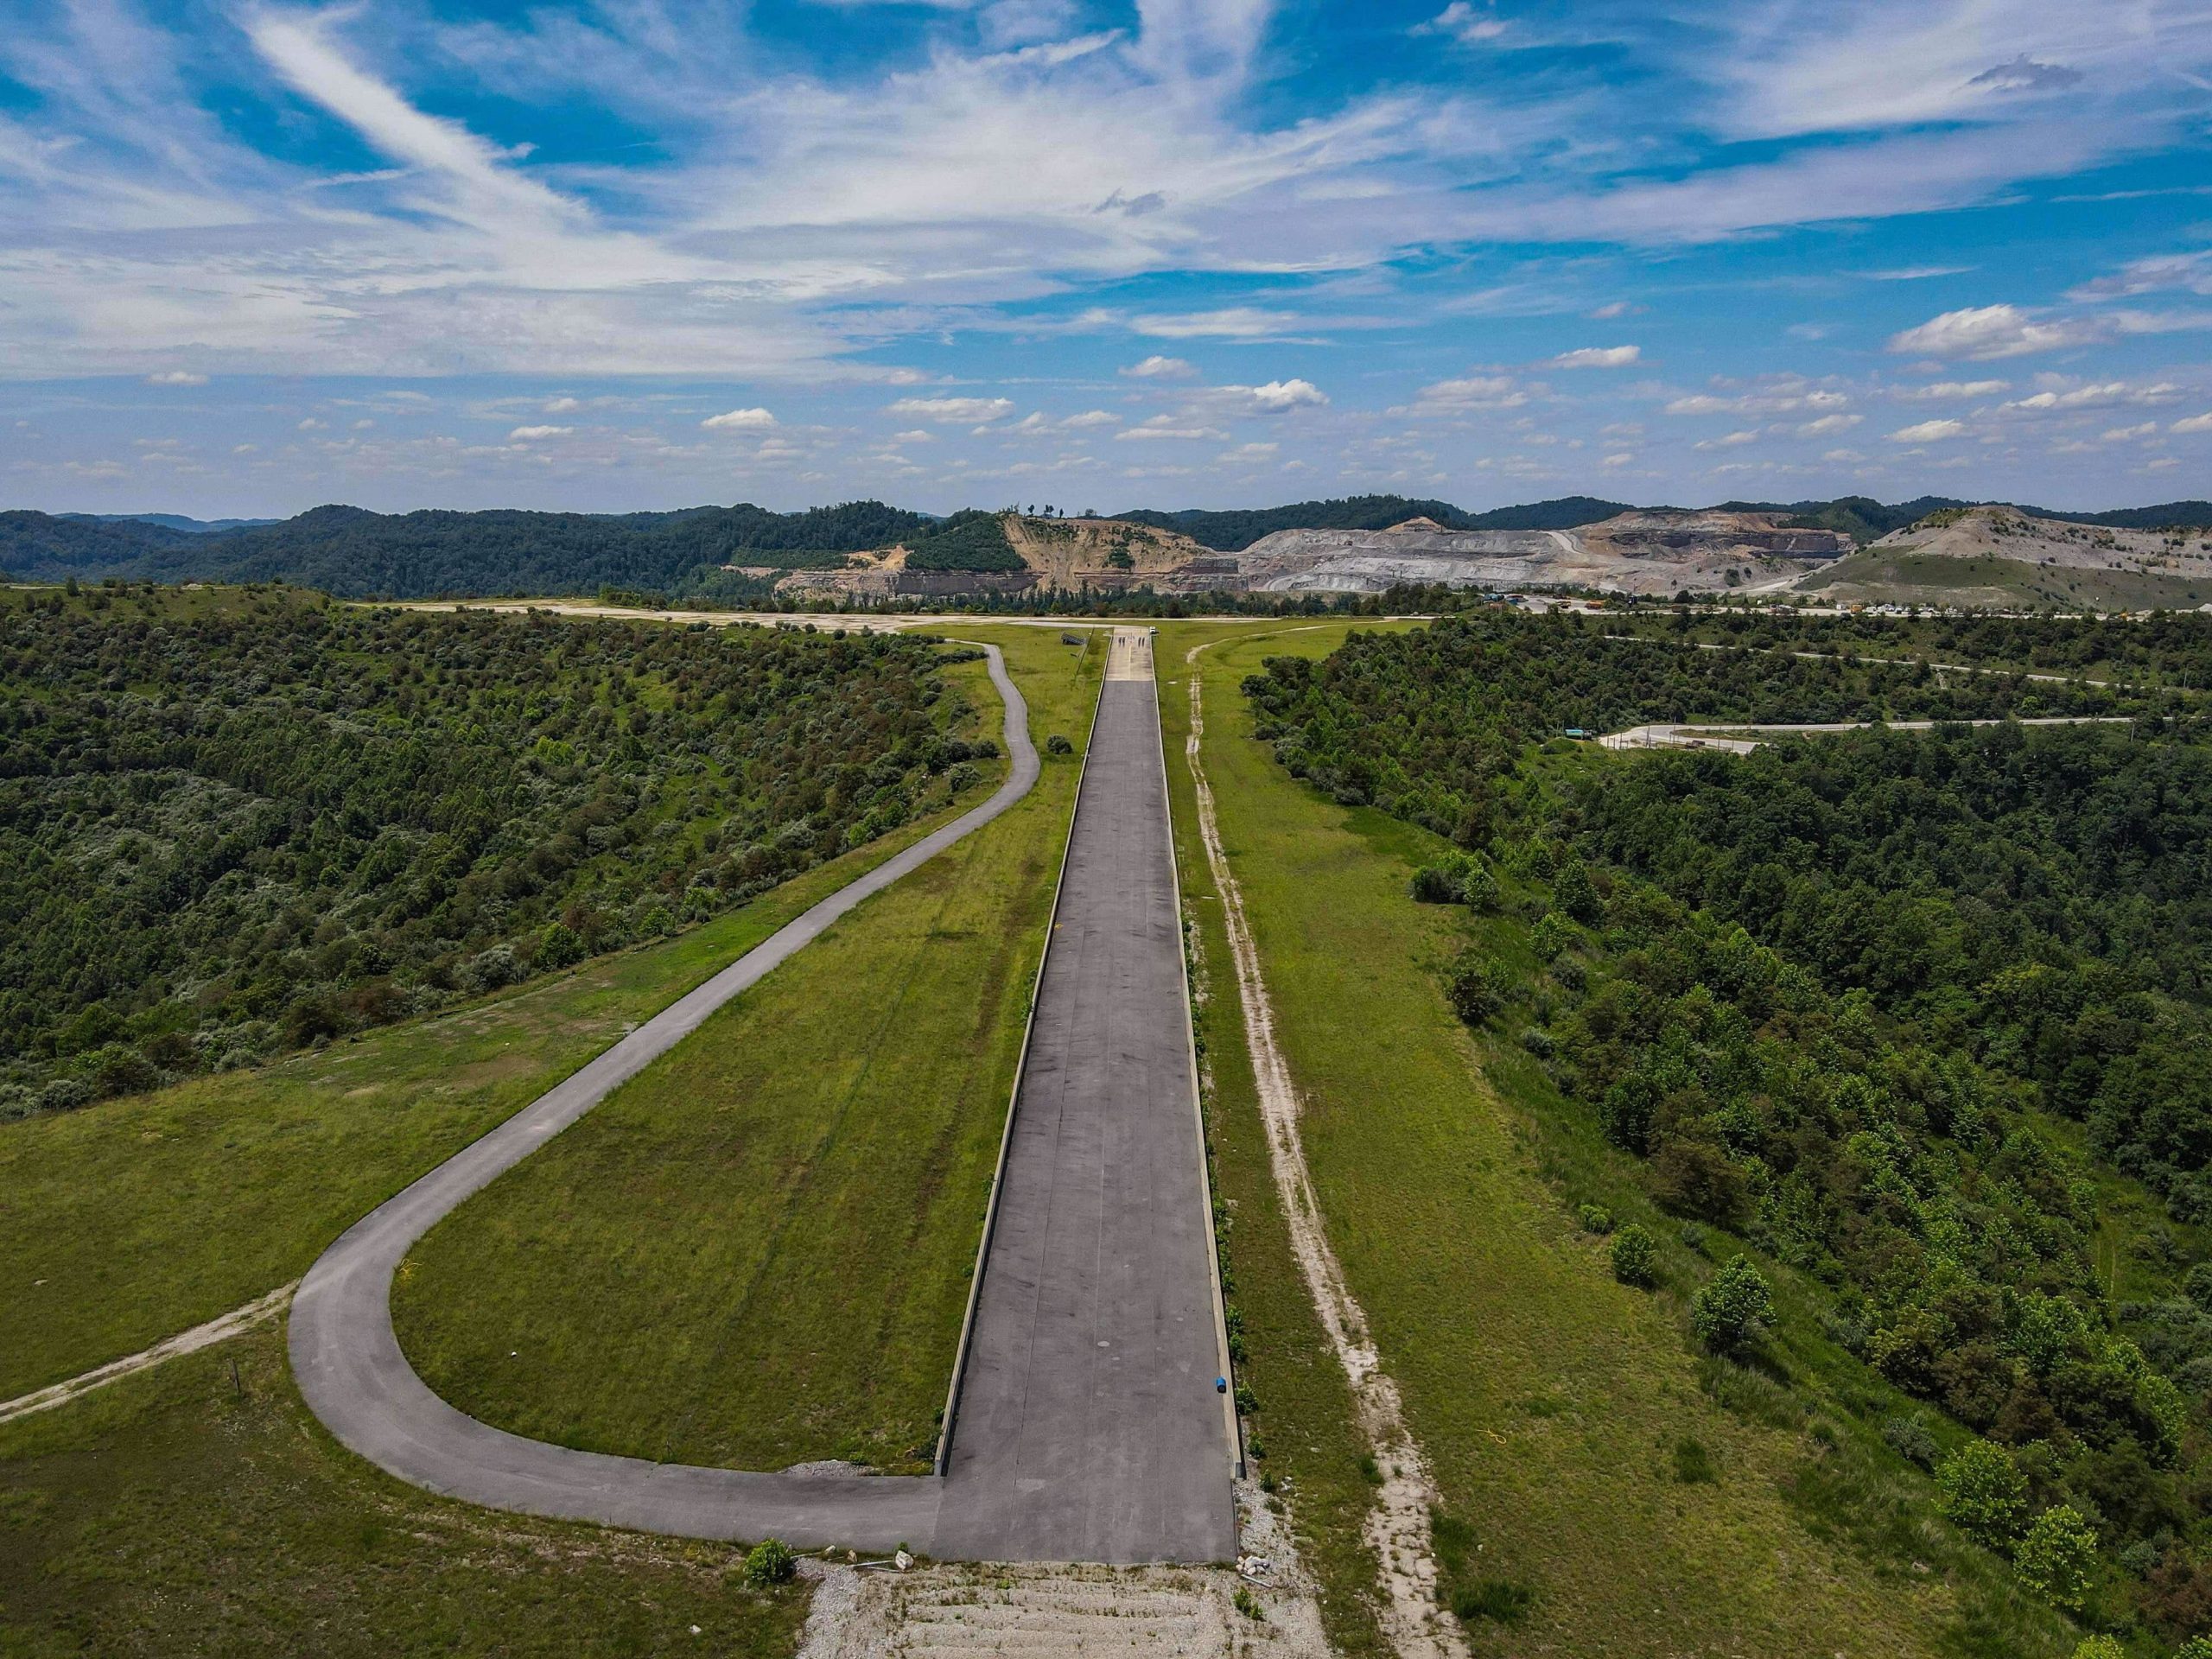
point(742, 550)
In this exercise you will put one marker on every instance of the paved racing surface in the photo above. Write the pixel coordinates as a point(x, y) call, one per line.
point(1089, 1427)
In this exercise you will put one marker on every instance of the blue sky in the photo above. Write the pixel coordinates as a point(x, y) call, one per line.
point(1175, 253)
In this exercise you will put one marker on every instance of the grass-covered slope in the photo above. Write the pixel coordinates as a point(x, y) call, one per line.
point(1647, 1502)
point(235, 825)
point(1879, 577)
point(814, 1162)
point(198, 1509)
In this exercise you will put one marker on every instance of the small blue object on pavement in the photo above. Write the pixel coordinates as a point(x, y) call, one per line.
point(1221, 1385)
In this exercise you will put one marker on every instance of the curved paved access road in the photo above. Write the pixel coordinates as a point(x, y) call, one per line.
point(1090, 1428)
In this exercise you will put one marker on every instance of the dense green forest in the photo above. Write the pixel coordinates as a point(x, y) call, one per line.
point(234, 822)
point(356, 554)
point(972, 540)
point(1895, 1010)
point(1428, 725)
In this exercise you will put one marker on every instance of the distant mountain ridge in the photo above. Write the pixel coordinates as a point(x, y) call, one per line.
point(434, 553)
point(1236, 529)
point(173, 521)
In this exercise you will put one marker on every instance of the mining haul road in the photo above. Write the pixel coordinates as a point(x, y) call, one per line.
point(1088, 1426)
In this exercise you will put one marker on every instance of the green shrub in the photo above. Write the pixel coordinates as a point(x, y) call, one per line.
point(559, 946)
point(1056, 744)
point(1728, 1311)
point(1694, 1465)
point(1553, 935)
point(1635, 1257)
point(1246, 1604)
point(1500, 1600)
point(1479, 889)
point(1595, 1218)
point(770, 1564)
point(1908, 1436)
point(1982, 1490)
point(1475, 995)
point(1435, 885)
point(2099, 1647)
point(2058, 1556)
point(1577, 894)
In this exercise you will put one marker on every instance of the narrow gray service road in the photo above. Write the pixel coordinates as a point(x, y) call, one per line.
point(1089, 1428)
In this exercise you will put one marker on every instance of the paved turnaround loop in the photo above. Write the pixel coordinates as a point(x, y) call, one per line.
point(1089, 1428)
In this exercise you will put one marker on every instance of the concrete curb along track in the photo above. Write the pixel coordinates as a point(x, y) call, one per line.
point(1120, 1505)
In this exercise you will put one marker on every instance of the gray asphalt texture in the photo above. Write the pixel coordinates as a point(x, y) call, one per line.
point(1089, 1429)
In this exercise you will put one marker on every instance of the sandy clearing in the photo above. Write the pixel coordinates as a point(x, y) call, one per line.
point(1100, 1612)
point(185, 1342)
point(1397, 1527)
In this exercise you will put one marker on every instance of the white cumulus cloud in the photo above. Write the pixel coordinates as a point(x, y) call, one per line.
point(1927, 432)
point(1278, 395)
point(1598, 357)
point(1981, 331)
point(739, 420)
point(1160, 368)
point(953, 408)
point(528, 433)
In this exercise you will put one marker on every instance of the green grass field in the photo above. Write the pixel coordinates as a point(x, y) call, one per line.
point(1552, 1403)
point(132, 1219)
point(1908, 578)
point(192, 1511)
point(758, 1252)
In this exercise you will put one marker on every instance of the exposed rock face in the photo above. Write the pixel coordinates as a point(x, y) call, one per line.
point(1655, 552)
point(1069, 553)
point(2008, 533)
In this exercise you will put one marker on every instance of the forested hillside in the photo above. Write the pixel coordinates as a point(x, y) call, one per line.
point(967, 541)
point(356, 554)
point(232, 823)
point(1846, 1000)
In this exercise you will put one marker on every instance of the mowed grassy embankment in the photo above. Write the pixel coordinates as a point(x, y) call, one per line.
point(1554, 1404)
point(197, 1508)
point(128, 1221)
point(759, 1251)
